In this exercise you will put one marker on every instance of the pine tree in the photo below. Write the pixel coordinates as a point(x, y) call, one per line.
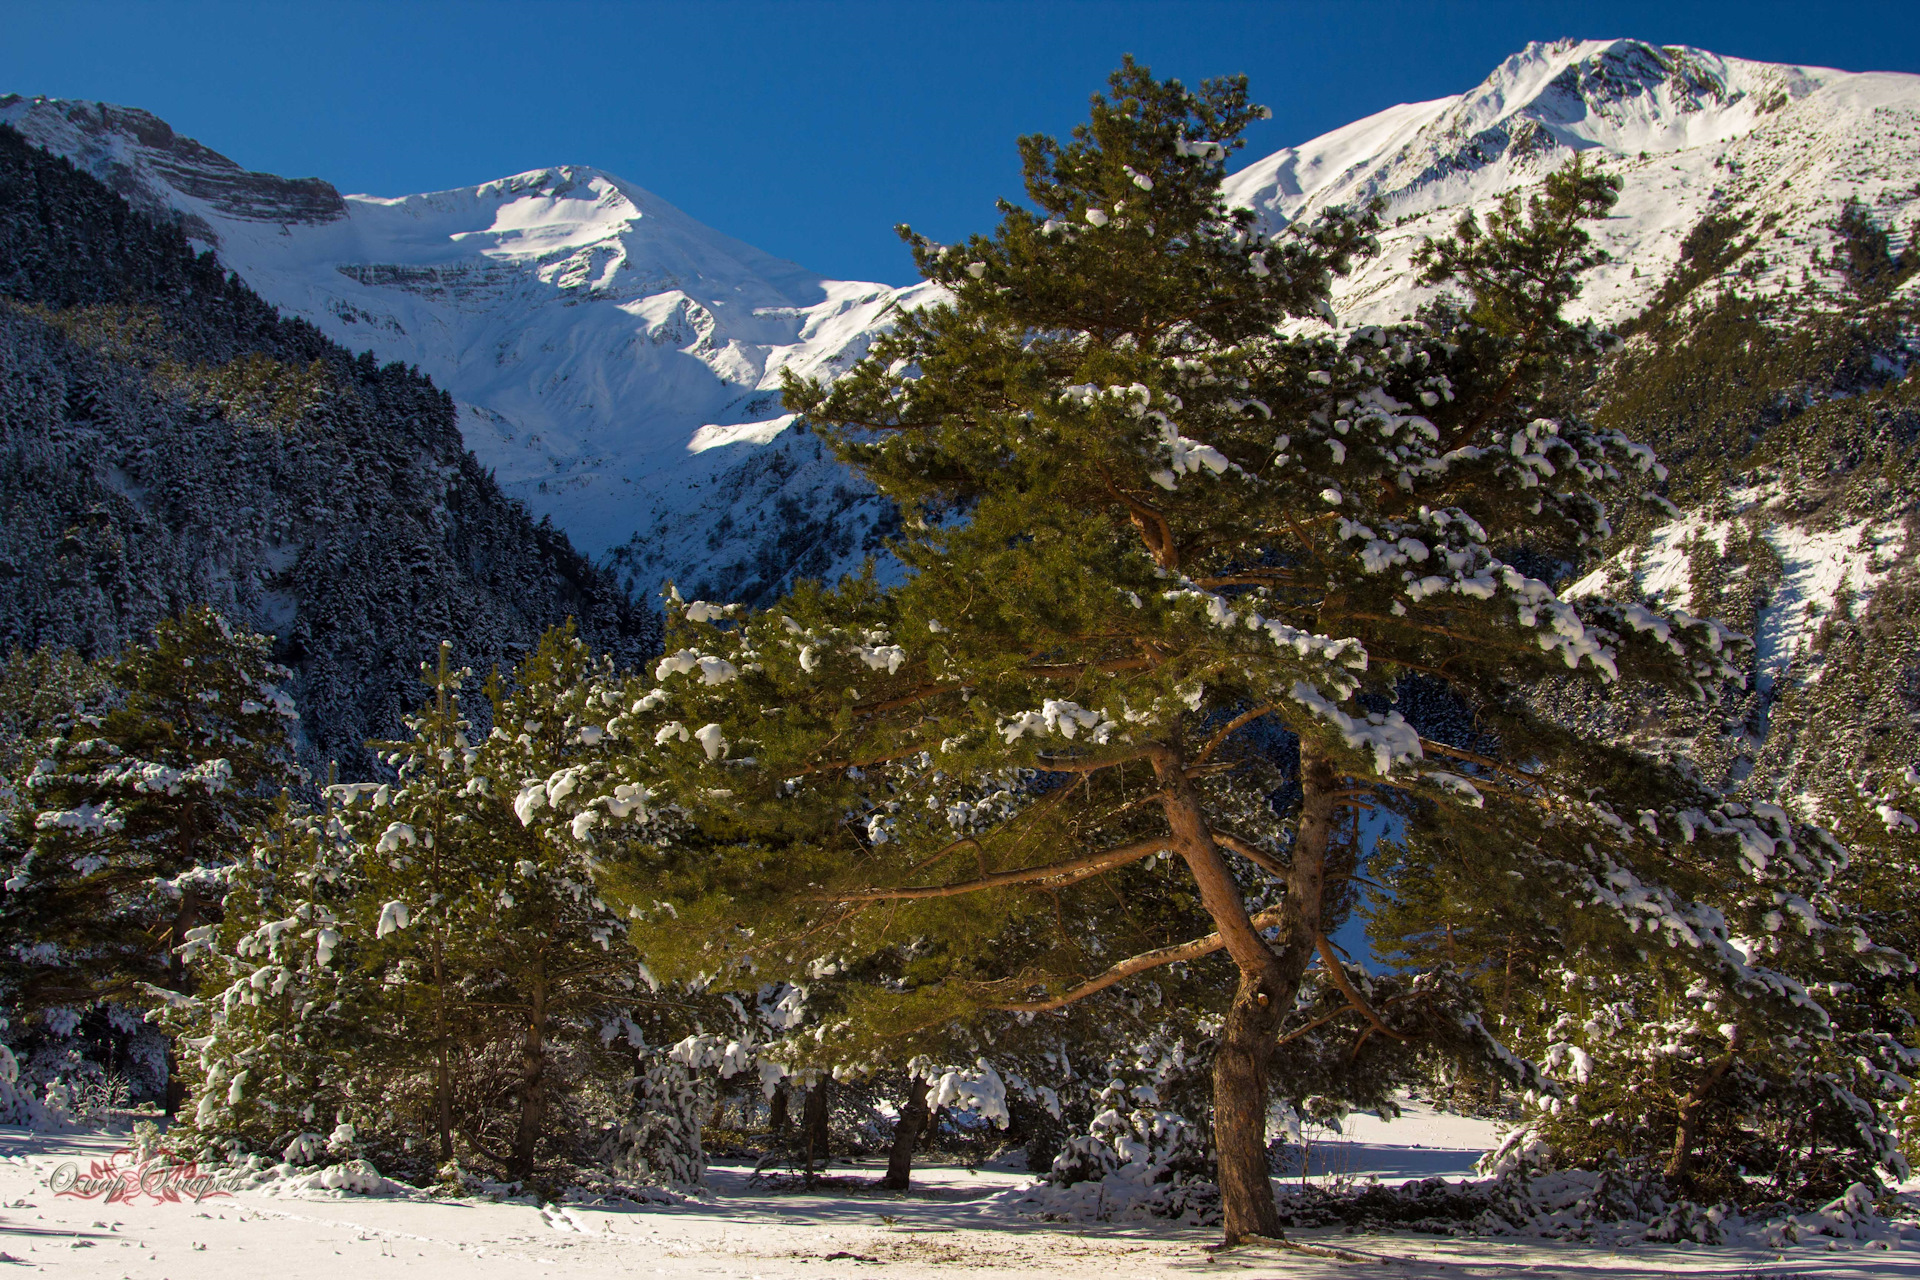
point(426, 961)
point(1174, 552)
point(134, 814)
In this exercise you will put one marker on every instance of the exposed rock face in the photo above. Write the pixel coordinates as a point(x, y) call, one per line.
point(138, 155)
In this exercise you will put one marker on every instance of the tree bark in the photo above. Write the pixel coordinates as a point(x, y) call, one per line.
point(1681, 1161)
point(913, 1118)
point(813, 1127)
point(1240, 1065)
point(1268, 981)
point(442, 1066)
point(1270, 976)
point(778, 1119)
point(533, 1084)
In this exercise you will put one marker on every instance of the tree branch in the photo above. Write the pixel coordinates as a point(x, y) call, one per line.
point(1226, 731)
point(1068, 872)
point(1138, 964)
point(1338, 973)
point(1054, 764)
point(1252, 853)
point(1153, 527)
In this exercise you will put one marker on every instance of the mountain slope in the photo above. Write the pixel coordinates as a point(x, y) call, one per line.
point(168, 439)
point(1690, 134)
point(613, 359)
point(617, 364)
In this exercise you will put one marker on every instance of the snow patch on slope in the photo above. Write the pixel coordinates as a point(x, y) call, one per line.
point(1818, 569)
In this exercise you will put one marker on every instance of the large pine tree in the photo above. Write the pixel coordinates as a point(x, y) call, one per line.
point(1194, 582)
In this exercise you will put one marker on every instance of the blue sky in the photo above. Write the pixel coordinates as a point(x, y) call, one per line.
point(806, 129)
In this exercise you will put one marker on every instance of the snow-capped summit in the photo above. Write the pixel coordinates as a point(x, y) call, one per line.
point(618, 363)
point(1689, 132)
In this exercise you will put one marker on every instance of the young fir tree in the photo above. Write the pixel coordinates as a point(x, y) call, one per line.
point(132, 816)
point(1663, 1062)
point(559, 983)
point(427, 961)
point(274, 1036)
point(42, 693)
point(1151, 508)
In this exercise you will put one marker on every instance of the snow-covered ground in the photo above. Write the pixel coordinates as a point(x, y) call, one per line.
point(951, 1224)
point(1419, 1143)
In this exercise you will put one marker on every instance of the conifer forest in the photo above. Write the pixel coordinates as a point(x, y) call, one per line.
point(1231, 715)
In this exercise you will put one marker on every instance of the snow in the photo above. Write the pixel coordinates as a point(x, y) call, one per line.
point(1689, 132)
point(1817, 566)
point(952, 1223)
point(609, 354)
point(714, 435)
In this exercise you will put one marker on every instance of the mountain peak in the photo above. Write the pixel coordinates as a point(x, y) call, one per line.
point(1690, 133)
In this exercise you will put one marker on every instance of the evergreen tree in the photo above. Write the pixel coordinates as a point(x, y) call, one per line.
point(427, 962)
point(134, 815)
point(1174, 552)
point(284, 1012)
point(559, 975)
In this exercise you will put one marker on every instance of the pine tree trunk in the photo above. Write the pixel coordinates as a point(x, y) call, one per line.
point(778, 1119)
point(931, 1133)
point(913, 1118)
point(176, 1084)
point(813, 1127)
point(187, 917)
point(1680, 1163)
point(533, 1084)
point(1268, 980)
point(1240, 1066)
point(442, 1067)
point(1270, 975)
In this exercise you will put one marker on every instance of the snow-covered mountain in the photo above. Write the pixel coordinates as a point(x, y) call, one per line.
point(617, 363)
point(1690, 133)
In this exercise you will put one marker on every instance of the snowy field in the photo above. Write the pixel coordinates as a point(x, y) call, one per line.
point(950, 1226)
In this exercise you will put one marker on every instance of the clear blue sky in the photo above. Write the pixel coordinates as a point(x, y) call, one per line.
point(808, 129)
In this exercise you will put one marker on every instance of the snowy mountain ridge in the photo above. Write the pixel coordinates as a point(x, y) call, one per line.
point(612, 357)
point(618, 364)
point(1689, 133)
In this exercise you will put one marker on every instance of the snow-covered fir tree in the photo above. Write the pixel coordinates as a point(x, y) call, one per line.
point(423, 972)
point(131, 817)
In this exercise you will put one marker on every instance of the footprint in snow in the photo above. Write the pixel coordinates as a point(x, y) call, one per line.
point(563, 1219)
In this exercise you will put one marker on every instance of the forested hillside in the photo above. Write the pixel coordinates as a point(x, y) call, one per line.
point(169, 440)
point(1790, 426)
